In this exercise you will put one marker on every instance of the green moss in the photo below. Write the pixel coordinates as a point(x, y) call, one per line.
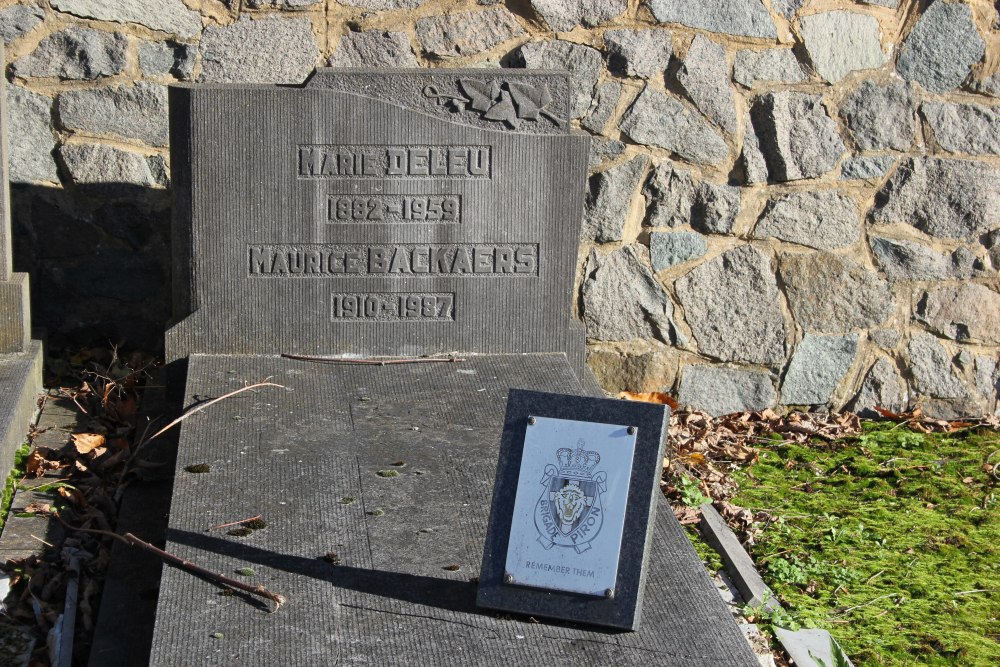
point(890, 540)
point(256, 524)
point(387, 473)
point(198, 468)
point(10, 484)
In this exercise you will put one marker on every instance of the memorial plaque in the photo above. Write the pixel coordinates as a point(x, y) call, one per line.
point(393, 213)
point(573, 508)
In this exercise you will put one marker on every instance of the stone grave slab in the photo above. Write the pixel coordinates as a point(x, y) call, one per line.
point(408, 547)
point(424, 211)
point(20, 356)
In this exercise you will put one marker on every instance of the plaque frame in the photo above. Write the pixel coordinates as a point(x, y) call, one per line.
point(623, 608)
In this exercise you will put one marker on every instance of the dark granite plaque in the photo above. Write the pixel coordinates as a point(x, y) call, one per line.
point(609, 453)
point(377, 213)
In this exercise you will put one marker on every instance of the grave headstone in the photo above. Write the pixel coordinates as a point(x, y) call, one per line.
point(20, 356)
point(402, 213)
point(573, 508)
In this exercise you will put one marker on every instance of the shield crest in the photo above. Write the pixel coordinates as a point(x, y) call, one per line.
point(568, 512)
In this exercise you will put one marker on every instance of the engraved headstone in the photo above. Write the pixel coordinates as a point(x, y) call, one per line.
point(20, 357)
point(369, 213)
point(573, 508)
point(377, 213)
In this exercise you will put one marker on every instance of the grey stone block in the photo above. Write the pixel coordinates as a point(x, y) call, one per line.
point(170, 16)
point(638, 53)
point(967, 312)
point(723, 390)
point(882, 388)
point(467, 33)
point(671, 194)
point(672, 248)
point(880, 117)
point(777, 65)
point(605, 102)
point(392, 598)
point(739, 565)
point(499, 280)
point(866, 167)
point(243, 52)
point(374, 48)
point(964, 128)
point(137, 111)
point(660, 120)
point(75, 53)
point(744, 18)
point(808, 647)
point(20, 387)
point(823, 220)
point(383, 5)
point(582, 62)
point(901, 259)
point(704, 76)
point(934, 374)
point(832, 294)
point(19, 20)
point(732, 305)
point(942, 47)
point(100, 164)
point(621, 278)
point(992, 244)
point(564, 15)
point(30, 136)
point(715, 208)
point(169, 57)
point(840, 42)
point(944, 198)
point(817, 367)
point(604, 150)
point(787, 8)
point(795, 136)
point(609, 200)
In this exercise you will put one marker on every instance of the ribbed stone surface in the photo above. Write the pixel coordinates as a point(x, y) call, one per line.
point(704, 75)
point(967, 312)
point(663, 121)
point(582, 62)
point(29, 136)
point(770, 65)
point(832, 294)
point(138, 111)
point(964, 128)
point(639, 53)
point(610, 198)
point(374, 48)
point(840, 42)
point(817, 367)
point(945, 198)
point(722, 390)
point(466, 33)
point(822, 220)
point(732, 305)
point(165, 15)
point(75, 53)
point(564, 15)
point(622, 300)
point(880, 117)
point(746, 18)
point(243, 52)
point(942, 47)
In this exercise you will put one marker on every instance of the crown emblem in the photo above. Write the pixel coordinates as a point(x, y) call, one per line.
point(578, 463)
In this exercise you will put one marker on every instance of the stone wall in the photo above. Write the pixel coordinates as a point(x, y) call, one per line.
point(793, 202)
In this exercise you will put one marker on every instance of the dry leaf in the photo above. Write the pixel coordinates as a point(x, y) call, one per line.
point(87, 442)
point(651, 397)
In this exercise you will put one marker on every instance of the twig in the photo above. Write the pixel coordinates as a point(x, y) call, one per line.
point(232, 523)
point(874, 577)
point(872, 601)
point(978, 590)
point(176, 561)
point(35, 537)
point(374, 362)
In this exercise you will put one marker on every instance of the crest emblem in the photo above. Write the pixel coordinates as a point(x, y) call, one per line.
point(569, 513)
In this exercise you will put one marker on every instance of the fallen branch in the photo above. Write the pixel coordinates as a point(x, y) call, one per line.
point(176, 561)
point(374, 362)
point(232, 523)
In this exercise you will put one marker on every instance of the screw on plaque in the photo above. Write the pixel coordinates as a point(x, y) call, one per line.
point(631, 430)
point(609, 594)
point(508, 578)
point(531, 421)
